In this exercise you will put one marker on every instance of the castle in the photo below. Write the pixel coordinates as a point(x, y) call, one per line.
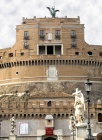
point(39, 73)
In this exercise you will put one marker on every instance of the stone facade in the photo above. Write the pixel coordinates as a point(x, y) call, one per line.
point(39, 73)
point(45, 42)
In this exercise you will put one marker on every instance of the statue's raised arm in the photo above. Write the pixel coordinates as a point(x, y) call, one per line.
point(52, 11)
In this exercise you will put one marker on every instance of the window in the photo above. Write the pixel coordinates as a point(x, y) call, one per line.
point(41, 49)
point(50, 50)
point(49, 104)
point(58, 49)
point(73, 44)
point(26, 45)
point(76, 53)
point(100, 54)
point(89, 53)
point(57, 34)
point(42, 34)
point(73, 34)
point(22, 53)
point(26, 35)
point(10, 54)
point(91, 115)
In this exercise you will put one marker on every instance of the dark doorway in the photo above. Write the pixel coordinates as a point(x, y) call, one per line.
point(99, 117)
point(49, 49)
point(49, 138)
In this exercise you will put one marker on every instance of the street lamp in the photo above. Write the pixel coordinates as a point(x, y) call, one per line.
point(0, 128)
point(88, 85)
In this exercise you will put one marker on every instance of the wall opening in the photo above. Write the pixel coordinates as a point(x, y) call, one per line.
point(50, 138)
point(49, 49)
point(89, 53)
point(76, 53)
point(57, 49)
point(49, 104)
point(100, 54)
point(41, 49)
point(10, 54)
point(99, 117)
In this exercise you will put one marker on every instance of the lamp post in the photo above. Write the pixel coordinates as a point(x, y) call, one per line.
point(0, 129)
point(88, 85)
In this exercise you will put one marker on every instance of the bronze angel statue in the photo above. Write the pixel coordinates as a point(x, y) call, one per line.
point(52, 11)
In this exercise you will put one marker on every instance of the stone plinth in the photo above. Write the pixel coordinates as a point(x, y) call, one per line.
point(81, 131)
point(12, 137)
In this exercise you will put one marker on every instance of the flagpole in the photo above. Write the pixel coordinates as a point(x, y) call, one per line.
point(54, 3)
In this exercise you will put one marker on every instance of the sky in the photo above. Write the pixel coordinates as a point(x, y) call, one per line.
point(12, 12)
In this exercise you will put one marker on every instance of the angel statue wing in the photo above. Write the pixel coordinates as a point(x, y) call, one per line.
point(48, 8)
point(56, 10)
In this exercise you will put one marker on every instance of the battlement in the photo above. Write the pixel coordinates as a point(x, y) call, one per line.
point(47, 19)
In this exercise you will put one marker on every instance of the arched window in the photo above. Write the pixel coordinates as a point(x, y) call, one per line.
point(58, 115)
point(62, 115)
point(54, 115)
point(40, 115)
point(91, 115)
point(36, 115)
point(67, 115)
point(24, 115)
point(99, 117)
point(28, 115)
point(49, 104)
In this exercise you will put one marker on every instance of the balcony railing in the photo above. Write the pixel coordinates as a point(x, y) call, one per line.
point(41, 36)
point(57, 37)
point(26, 37)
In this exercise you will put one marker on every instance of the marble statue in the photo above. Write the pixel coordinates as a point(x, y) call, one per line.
point(52, 11)
point(79, 106)
point(12, 120)
point(72, 124)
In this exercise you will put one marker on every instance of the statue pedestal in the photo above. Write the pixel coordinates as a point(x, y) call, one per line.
point(12, 137)
point(81, 131)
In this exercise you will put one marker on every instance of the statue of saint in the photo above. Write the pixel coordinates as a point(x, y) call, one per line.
point(72, 124)
point(52, 11)
point(79, 106)
point(12, 120)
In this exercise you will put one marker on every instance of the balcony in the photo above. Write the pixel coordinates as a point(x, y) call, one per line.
point(26, 37)
point(42, 37)
point(26, 46)
point(57, 37)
